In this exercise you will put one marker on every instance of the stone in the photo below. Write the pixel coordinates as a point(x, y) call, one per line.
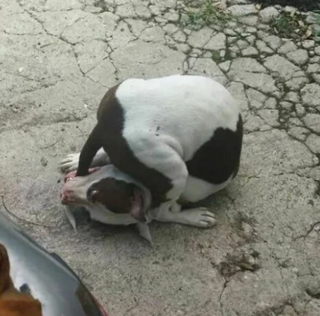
point(250, 51)
point(121, 35)
point(273, 41)
point(251, 20)
point(317, 50)
point(231, 39)
point(316, 77)
point(103, 73)
point(200, 38)
point(267, 14)
point(57, 22)
point(142, 11)
point(255, 123)
point(225, 66)
point(315, 59)
point(262, 26)
point(251, 39)
point(89, 54)
point(126, 10)
point(299, 57)
point(183, 48)
point(263, 48)
point(260, 81)
point(288, 47)
point(241, 10)
point(206, 66)
point(217, 42)
point(86, 29)
point(269, 116)
point(289, 9)
point(242, 44)
point(286, 105)
point(237, 90)
point(153, 34)
point(229, 32)
point(283, 67)
point(145, 59)
point(251, 29)
point(298, 132)
point(247, 65)
point(292, 96)
point(179, 37)
point(307, 44)
point(312, 121)
point(256, 98)
point(313, 68)
point(271, 103)
point(137, 26)
point(296, 83)
point(300, 109)
point(171, 16)
point(313, 142)
point(170, 28)
point(154, 10)
point(310, 95)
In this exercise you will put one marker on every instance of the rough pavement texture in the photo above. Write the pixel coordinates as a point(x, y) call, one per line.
point(57, 59)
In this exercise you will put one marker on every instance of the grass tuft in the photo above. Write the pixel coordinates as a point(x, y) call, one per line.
point(206, 12)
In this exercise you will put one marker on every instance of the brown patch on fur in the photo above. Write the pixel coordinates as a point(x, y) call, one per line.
point(116, 195)
point(219, 158)
point(12, 302)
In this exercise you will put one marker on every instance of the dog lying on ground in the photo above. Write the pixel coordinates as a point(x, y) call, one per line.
point(160, 141)
point(13, 302)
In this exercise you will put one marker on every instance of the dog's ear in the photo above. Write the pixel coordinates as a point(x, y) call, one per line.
point(5, 280)
point(136, 210)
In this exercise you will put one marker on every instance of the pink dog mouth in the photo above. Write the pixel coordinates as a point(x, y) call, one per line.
point(66, 196)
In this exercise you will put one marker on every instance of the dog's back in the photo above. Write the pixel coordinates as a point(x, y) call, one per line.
point(13, 302)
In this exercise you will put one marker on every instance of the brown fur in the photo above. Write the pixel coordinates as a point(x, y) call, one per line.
point(115, 194)
point(13, 302)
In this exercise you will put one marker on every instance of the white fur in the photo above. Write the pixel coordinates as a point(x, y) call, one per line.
point(168, 119)
point(198, 189)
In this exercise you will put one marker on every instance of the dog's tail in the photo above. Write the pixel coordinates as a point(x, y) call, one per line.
point(5, 280)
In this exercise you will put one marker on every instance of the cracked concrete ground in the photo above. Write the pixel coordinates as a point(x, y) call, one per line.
point(58, 58)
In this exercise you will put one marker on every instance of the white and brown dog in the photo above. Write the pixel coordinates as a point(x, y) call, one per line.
point(161, 140)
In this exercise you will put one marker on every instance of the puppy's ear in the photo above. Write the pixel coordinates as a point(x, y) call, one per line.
point(136, 210)
point(138, 214)
point(5, 280)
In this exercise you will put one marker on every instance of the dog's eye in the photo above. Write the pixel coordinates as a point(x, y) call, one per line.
point(92, 195)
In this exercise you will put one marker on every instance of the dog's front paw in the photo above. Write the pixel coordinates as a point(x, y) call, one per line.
point(70, 163)
point(199, 217)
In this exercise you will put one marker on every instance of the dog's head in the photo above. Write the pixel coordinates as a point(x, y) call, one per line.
point(109, 187)
point(12, 302)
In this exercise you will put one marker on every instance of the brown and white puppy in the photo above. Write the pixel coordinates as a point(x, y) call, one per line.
point(177, 137)
point(13, 302)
